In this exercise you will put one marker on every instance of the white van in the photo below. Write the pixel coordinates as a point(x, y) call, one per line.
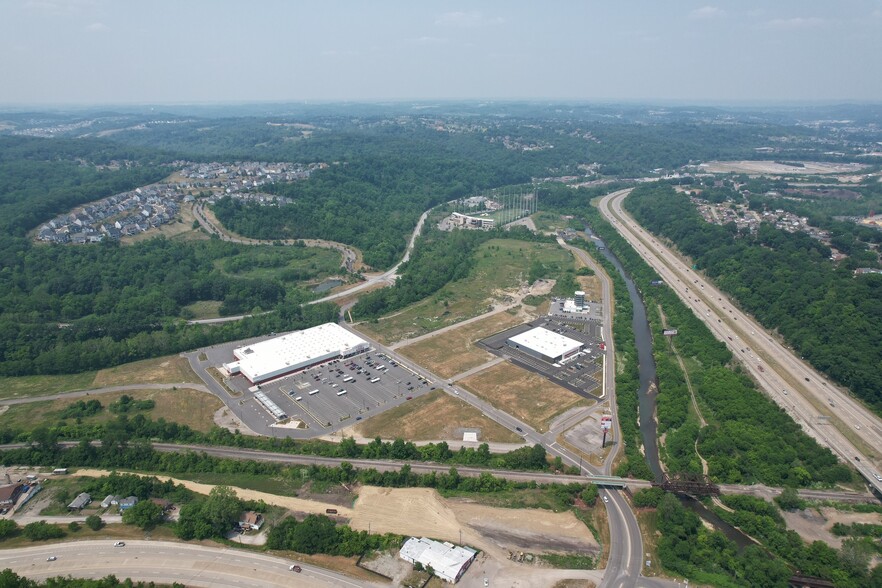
point(341, 392)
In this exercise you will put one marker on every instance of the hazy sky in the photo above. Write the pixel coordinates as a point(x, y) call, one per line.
point(155, 51)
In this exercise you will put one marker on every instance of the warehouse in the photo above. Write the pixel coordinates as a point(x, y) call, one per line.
point(546, 345)
point(448, 561)
point(295, 351)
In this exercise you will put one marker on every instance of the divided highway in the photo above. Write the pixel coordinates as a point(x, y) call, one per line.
point(825, 412)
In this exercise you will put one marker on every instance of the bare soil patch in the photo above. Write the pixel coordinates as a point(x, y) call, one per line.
point(775, 168)
point(523, 394)
point(591, 286)
point(454, 351)
point(813, 524)
point(423, 512)
point(434, 416)
point(172, 369)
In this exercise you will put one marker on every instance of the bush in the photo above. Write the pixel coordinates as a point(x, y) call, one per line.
point(648, 497)
point(145, 514)
point(73, 526)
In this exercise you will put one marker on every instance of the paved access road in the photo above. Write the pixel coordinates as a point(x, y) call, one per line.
point(804, 393)
point(167, 562)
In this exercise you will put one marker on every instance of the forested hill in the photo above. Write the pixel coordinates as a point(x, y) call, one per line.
point(787, 282)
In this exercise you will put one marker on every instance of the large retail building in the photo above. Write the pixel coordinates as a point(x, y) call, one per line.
point(295, 351)
point(545, 345)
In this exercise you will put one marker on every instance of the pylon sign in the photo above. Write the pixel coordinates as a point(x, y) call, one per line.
point(606, 422)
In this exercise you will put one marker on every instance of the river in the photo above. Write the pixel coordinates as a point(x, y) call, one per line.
point(645, 364)
point(647, 399)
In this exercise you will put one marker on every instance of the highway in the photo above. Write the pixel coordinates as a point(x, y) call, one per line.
point(850, 430)
point(167, 562)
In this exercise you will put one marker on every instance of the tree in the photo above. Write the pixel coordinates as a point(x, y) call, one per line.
point(73, 526)
point(94, 522)
point(41, 531)
point(8, 528)
point(789, 500)
point(589, 494)
point(146, 515)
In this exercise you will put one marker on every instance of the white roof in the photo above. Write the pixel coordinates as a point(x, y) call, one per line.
point(295, 350)
point(548, 343)
point(446, 559)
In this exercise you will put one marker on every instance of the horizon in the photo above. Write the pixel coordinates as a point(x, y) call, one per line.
point(99, 53)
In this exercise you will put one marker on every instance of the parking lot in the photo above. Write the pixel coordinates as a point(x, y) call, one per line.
point(579, 375)
point(345, 390)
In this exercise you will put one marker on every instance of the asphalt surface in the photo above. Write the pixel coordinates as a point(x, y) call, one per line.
point(167, 562)
point(825, 411)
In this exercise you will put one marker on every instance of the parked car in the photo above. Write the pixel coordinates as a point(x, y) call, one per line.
point(297, 569)
point(51, 558)
point(119, 544)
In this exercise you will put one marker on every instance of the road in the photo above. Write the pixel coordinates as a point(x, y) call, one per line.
point(167, 562)
point(850, 431)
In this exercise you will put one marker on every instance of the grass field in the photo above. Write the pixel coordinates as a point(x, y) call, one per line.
point(433, 416)
point(42, 385)
point(290, 265)
point(171, 369)
point(501, 268)
point(203, 309)
point(454, 352)
point(523, 394)
point(185, 407)
point(548, 221)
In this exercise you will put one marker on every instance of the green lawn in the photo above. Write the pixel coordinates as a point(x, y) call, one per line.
point(502, 265)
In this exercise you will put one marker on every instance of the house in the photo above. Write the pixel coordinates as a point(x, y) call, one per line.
point(162, 503)
point(127, 503)
point(80, 502)
point(9, 494)
point(251, 520)
point(108, 501)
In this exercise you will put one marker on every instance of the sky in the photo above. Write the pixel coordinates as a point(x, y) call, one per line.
point(66, 52)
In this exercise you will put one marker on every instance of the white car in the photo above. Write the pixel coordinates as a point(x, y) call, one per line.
point(119, 544)
point(51, 558)
point(606, 498)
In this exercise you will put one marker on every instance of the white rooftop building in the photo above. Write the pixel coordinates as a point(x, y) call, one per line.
point(295, 351)
point(448, 561)
point(545, 345)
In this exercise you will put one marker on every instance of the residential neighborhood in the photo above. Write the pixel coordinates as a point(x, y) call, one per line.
point(130, 213)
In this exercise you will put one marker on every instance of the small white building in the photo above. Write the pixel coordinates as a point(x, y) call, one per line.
point(448, 561)
point(545, 345)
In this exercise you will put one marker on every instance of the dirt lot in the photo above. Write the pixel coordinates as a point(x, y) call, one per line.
point(591, 286)
point(814, 524)
point(423, 512)
point(454, 352)
point(774, 168)
point(523, 394)
point(435, 416)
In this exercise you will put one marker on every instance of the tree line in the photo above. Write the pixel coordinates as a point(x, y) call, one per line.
point(787, 282)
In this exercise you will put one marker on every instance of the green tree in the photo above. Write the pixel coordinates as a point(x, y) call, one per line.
point(8, 528)
point(41, 531)
point(94, 522)
point(589, 494)
point(146, 515)
point(789, 500)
